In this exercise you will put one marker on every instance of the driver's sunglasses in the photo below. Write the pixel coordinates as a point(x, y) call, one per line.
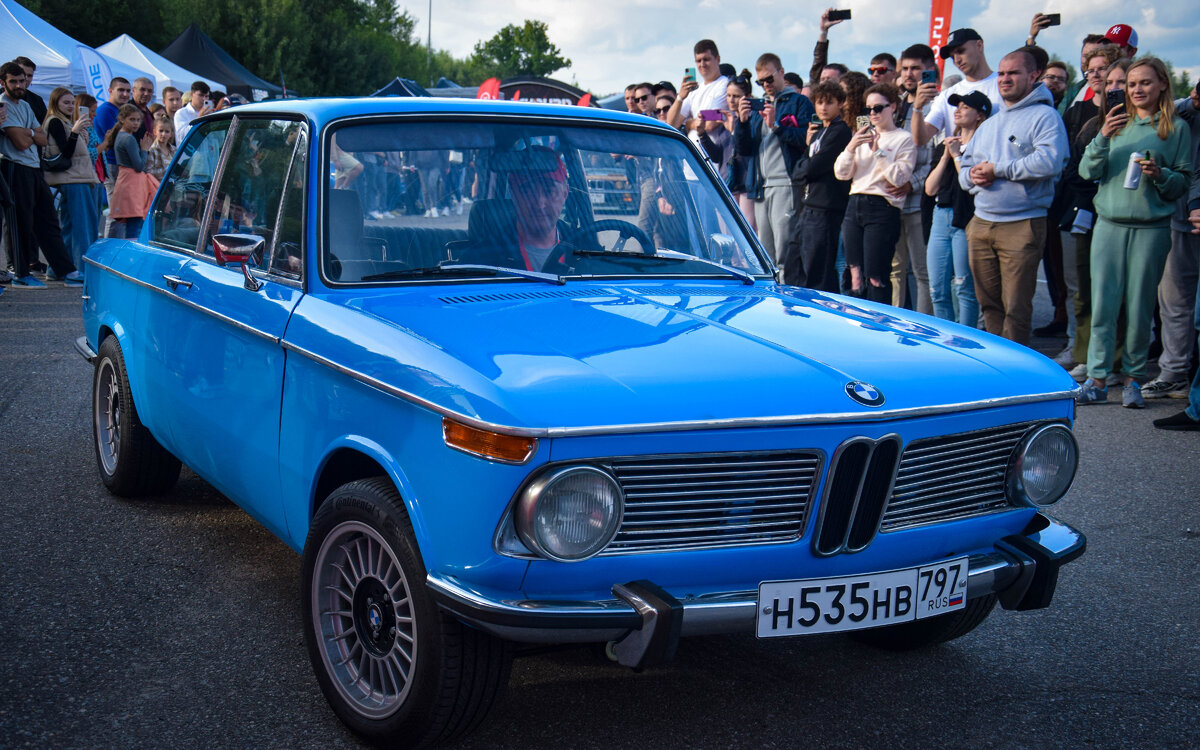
point(766, 80)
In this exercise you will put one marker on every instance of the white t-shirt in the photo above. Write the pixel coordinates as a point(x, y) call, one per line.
point(941, 114)
point(708, 96)
point(183, 121)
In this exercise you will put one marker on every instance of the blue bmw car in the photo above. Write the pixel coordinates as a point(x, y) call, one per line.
point(529, 421)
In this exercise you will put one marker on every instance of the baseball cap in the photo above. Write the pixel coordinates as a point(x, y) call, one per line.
point(662, 86)
point(538, 164)
point(974, 99)
point(958, 38)
point(1122, 34)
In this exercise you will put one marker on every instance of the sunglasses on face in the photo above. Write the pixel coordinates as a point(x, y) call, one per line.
point(766, 80)
point(879, 71)
point(875, 109)
point(641, 98)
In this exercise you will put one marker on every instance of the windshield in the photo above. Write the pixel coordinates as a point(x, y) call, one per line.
point(431, 200)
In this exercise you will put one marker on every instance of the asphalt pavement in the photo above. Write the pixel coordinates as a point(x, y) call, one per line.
point(174, 621)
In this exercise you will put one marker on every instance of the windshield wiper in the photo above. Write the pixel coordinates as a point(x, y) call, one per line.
point(743, 276)
point(465, 269)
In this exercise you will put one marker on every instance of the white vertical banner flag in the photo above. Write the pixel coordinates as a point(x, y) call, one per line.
point(96, 73)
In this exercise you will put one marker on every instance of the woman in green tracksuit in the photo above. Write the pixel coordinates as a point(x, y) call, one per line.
point(1132, 235)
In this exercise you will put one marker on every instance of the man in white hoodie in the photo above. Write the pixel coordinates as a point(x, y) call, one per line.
point(1011, 165)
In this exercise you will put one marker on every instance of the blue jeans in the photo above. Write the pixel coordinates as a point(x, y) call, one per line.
point(79, 215)
point(950, 270)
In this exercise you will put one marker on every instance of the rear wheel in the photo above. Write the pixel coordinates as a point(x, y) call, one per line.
point(393, 667)
point(130, 460)
point(931, 630)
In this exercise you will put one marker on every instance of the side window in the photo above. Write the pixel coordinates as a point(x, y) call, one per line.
point(288, 254)
point(179, 211)
point(247, 198)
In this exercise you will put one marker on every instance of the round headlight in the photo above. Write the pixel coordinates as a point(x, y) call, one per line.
point(1044, 466)
point(570, 514)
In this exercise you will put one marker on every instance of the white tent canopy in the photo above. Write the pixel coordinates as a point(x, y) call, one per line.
point(60, 60)
point(163, 71)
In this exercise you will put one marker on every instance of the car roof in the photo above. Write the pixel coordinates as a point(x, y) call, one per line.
point(321, 111)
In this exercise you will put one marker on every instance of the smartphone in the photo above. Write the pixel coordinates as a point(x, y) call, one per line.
point(815, 119)
point(1053, 19)
point(929, 76)
point(711, 115)
point(839, 15)
point(863, 121)
point(756, 105)
point(1114, 98)
point(83, 113)
point(689, 74)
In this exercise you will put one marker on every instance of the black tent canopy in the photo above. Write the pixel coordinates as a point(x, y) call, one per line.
point(194, 50)
point(402, 87)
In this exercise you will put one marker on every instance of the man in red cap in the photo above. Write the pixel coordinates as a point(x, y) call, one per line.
point(526, 232)
point(1124, 37)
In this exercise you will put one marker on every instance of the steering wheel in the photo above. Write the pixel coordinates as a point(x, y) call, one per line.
point(626, 230)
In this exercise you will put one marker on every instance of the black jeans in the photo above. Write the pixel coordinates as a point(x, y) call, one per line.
point(812, 261)
point(34, 222)
point(870, 232)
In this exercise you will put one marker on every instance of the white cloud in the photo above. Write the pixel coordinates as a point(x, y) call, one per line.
point(615, 42)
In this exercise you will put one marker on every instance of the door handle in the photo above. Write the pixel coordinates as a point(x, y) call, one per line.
point(175, 282)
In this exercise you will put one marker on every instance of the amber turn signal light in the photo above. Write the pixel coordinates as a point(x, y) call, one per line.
point(507, 448)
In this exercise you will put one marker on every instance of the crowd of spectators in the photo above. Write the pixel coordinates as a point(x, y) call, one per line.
point(944, 196)
point(56, 156)
point(947, 196)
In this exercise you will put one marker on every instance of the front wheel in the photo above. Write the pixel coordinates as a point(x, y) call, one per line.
point(931, 630)
point(130, 460)
point(393, 667)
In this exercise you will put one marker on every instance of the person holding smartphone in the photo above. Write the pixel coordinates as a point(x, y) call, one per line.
point(877, 159)
point(79, 212)
point(701, 89)
point(812, 261)
point(1142, 160)
point(199, 104)
point(775, 135)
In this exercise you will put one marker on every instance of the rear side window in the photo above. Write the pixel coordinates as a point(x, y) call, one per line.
point(179, 210)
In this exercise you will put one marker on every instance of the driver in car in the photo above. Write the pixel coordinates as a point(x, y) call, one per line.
point(531, 237)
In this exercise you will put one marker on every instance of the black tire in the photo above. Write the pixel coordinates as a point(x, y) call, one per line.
point(131, 461)
point(930, 631)
point(436, 677)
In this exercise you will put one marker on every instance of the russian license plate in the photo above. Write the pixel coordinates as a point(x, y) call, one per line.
point(829, 605)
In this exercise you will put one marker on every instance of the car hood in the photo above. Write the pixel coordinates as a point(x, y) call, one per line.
point(587, 355)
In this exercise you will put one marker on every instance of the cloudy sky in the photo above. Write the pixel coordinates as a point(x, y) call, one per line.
point(614, 42)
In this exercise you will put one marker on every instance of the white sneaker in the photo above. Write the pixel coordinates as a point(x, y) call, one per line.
point(458, 209)
point(446, 211)
point(1159, 388)
point(1079, 373)
point(430, 213)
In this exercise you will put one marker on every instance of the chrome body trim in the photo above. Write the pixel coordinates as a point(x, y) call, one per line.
point(85, 349)
point(724, 612)
point(199, 308)
point(787, 420)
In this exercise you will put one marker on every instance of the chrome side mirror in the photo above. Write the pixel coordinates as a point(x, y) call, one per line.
point(242, 250)
point(722, 248)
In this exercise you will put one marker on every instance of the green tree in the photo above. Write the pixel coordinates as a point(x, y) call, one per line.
point(519, 50)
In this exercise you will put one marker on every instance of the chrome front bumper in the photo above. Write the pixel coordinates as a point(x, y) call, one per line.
point(1022, 570)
